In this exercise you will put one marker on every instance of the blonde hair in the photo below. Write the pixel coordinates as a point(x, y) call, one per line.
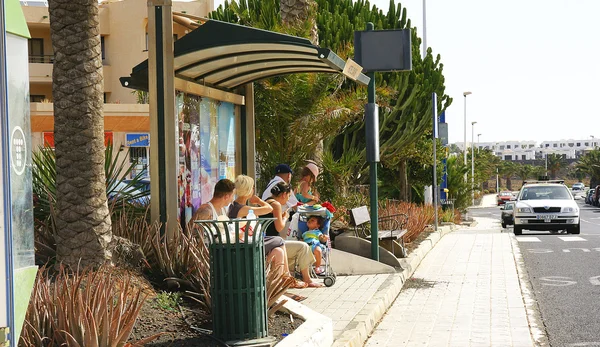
point(244, 185)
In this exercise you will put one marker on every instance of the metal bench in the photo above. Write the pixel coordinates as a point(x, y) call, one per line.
point(392, 228)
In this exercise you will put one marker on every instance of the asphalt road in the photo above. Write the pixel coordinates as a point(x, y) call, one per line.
point(564, 271)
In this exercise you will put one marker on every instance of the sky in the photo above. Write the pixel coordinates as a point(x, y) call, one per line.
point(533, 66)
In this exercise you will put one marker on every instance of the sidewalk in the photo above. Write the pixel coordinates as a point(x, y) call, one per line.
point(465, 292)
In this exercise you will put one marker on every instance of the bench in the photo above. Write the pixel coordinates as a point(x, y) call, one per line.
point(392, 228)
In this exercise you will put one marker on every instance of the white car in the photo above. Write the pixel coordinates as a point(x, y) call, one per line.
point(546, 205)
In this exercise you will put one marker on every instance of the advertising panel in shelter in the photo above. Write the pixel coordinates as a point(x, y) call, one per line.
point(206, 148)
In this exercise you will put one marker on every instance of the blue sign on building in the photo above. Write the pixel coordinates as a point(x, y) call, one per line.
point(138, 140)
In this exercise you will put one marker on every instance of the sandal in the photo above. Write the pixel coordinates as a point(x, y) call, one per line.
point(300, 285)
point(315, 285)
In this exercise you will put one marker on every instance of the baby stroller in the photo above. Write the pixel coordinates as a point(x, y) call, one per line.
point(304, 212)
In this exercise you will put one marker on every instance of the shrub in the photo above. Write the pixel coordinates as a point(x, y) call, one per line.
point(82, 308)
point(419, 216)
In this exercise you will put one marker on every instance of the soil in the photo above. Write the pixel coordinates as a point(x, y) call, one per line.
point(187, 327)
point(411, 246)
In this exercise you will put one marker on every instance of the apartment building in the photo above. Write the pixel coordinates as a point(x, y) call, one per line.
point(530, 150)
point(124, 40)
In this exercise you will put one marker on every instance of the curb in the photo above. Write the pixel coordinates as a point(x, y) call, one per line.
point(316, 331)
point(365, 321)
point(536, 327)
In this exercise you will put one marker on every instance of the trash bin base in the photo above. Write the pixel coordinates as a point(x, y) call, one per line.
point(263, 342)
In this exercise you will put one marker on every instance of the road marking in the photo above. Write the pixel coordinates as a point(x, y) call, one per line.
point(557, 281)
point(571, 238)
point(528, 239)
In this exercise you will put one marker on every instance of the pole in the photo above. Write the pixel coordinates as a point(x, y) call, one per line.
point(373, 165)
point(472, 165)
point(465, 133)
point(497, 182)
point(435, 187)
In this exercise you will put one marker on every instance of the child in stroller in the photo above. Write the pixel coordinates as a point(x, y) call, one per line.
point(316, 240)
point(317, 236)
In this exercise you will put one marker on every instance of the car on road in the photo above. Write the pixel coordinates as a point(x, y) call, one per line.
point(503, 197)
point(507, 216)
point(578, 186)
point(546, 205)
point(589, 196)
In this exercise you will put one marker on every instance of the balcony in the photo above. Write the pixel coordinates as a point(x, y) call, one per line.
point(41, 59)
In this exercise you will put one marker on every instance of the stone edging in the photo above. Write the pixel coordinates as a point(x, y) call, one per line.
point(536, 327)
point(316, 331)
point(364, 322)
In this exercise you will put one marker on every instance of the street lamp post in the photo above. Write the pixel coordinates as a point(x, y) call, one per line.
point(465, 139)
point(593, 145)
point(478, 147)
point(472, 164)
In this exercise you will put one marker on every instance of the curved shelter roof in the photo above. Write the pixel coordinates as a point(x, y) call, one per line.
point(226, 56)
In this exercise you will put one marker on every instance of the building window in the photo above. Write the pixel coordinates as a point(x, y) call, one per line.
point(571, 144)
point(103, 47)
point(37, 98)
point(508, 157)
point(586, 144)
point(139, 156)
point(554, 145)
point(507, 146)
point(523, 157)
point(578, 144)
point(36, 50)
point(547, 145)
point(105, 98)
point(530, 146)
point(502, 147)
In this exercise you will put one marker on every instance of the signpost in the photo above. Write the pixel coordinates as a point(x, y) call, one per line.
point(378, 50)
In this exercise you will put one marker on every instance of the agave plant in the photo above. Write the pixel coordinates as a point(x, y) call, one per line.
point(83, 308)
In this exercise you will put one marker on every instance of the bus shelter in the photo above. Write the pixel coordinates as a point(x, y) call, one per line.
point(202, 102)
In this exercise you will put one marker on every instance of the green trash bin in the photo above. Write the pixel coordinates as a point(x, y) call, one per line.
point(237, 278)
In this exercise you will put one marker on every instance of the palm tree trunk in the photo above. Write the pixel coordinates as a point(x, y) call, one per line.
point(83, 219)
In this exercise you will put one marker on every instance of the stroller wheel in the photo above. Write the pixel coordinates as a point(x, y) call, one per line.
point(329, 281)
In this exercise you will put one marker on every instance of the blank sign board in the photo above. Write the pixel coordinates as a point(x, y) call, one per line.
point(383, 50)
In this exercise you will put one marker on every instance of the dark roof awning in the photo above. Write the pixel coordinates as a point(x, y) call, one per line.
point(226, 56)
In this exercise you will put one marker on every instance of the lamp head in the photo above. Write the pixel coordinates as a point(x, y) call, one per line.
point(473, 123)
point(466, 93)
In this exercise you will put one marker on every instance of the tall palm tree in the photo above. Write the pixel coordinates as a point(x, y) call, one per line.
point(507, 170)
point(296, 12)
point(524, 171)
point(589, 164)
point(555, 163)
point(83, 220)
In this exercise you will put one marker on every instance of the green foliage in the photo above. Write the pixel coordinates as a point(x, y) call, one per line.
point(167, 300)
point(458, 189)
point(555, 163)
point(127, 199)
point(589, 164)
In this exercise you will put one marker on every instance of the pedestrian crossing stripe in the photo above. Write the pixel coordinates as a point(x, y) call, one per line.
point(571, 238)
point(536, 239)
point(528, 239)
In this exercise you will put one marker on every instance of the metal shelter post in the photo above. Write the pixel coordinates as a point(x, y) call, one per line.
point(161, 90)
point(372, 136)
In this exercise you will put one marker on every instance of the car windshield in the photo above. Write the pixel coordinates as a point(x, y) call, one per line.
point(545, 192)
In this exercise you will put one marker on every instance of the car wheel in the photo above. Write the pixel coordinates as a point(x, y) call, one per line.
point(575, 230)
point(518, 230)
point(503, 225)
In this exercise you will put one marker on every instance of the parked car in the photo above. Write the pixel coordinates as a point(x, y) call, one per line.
point(546, 205)
point(503, 197)
point(507, 216)
point(589, 196)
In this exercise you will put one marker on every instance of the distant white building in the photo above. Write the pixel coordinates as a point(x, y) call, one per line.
point(529, 150)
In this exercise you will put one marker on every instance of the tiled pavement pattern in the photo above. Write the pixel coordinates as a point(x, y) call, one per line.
point(344, 300)
point(465, 292)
